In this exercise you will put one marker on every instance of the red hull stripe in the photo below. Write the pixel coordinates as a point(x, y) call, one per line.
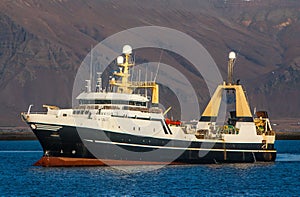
point(65, 161)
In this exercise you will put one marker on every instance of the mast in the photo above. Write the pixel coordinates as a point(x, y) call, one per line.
point(125, 85)
point(232, 57)
point(89, 81)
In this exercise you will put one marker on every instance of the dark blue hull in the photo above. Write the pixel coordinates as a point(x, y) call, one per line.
point(70, 142)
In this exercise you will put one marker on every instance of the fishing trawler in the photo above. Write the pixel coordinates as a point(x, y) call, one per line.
point(121, 127)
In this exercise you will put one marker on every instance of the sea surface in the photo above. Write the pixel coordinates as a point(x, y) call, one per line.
point(18, 177)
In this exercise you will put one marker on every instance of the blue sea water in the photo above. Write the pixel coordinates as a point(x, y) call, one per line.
point(19, 178)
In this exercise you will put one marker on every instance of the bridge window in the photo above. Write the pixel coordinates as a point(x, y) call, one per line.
point(120, 102)
point(102, 101)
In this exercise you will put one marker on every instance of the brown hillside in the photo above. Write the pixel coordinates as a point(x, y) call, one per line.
point(43, 43)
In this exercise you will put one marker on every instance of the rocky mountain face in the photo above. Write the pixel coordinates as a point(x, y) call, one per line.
point(42, 44)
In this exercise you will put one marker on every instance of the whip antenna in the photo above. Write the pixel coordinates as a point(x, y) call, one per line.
point(158, 65)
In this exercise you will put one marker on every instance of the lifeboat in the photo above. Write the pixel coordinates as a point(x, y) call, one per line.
point(172, 122)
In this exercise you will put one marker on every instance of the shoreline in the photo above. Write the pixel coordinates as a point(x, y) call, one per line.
point(16, 135)
point(288, 135)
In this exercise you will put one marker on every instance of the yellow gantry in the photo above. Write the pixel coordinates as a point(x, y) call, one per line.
point(242, 105)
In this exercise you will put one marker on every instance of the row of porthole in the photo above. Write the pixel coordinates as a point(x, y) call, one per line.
point(80, 112)
point(86, 112)
point(139, 128)
point(132, 128)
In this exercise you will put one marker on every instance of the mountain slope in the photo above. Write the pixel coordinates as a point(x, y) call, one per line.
point(43, 43)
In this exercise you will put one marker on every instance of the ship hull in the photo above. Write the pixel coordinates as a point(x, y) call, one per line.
point(71, 146)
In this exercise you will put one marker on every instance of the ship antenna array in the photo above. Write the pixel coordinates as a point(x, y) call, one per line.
point(125, 85)
point(146, 77)
point(91, 69)
point(132, 71)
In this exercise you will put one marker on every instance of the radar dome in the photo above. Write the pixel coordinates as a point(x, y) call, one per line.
point(120, 60)
point(232, 55)
point(127, 49)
